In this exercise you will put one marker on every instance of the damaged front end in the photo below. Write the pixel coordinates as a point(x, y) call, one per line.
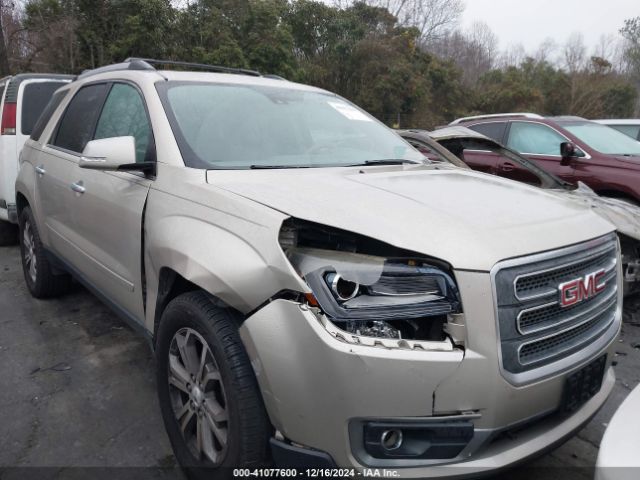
point(365, 346)
point(366, 292)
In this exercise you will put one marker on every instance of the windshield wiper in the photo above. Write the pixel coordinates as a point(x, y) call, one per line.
point(389, 161)
point(269, 167)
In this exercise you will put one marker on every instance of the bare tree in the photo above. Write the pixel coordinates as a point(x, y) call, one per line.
point(545, 50)
point(574, 53)
point(433, 18)
point(513, 55)
point(475, 51)
point(6, 11)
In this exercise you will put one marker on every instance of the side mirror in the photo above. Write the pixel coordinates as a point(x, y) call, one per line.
point(114, 154)
point(567, 152)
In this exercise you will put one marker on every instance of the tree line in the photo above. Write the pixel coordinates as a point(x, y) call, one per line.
point(405, 61)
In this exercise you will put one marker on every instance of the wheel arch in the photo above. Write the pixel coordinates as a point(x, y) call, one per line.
point(172, 284)
point(21, 202)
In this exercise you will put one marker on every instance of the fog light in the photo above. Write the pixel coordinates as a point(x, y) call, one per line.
point(391, 439)
point(435, 440)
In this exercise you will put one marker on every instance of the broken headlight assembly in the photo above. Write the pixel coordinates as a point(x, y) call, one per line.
point(375, 296)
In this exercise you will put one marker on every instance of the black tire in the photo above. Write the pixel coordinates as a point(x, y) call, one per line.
point(42, 282)
point(8, 234)
point(248, 428)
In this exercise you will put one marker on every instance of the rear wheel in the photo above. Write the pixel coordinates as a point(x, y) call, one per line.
point(209, 397)
point(8, 234)
point(38, 274)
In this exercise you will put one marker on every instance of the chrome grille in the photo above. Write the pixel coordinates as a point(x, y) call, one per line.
point(546, 282)
point(536, 332)
point(571, 338)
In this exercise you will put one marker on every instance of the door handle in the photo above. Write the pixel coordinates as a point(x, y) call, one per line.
point(507, 167)
point(78, 187)
point(40, 170)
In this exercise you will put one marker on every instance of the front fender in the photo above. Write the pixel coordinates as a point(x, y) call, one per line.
point(233, 257)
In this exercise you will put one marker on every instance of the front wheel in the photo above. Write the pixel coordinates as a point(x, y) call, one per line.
point(210, 401)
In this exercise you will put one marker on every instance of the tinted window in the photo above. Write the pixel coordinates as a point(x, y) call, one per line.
point(124, 115)
point(526, 137)
point(34, 99)
point(493, 130)
point(79, 120)
point(51, 107)
point(632, 131)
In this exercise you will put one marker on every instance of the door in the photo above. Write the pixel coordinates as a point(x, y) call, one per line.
point(107, 207)
point(54, 166)
point(481, 160)
point(541, 144)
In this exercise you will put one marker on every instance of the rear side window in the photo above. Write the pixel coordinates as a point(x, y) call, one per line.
point(51, 107)
point(79, 120)
point(34, 100)
point(493, 130)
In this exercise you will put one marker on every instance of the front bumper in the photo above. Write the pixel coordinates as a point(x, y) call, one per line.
point(318, 390)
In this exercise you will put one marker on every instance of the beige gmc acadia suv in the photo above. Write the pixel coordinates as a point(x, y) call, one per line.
point(316, 293)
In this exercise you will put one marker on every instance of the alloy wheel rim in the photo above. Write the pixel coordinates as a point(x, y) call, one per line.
point(197, 396)
point(29, 252)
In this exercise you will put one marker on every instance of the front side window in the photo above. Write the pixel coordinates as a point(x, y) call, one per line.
point(604, 139)
point(253, 126)
point(79, 120)
point(534, 138)
point(124, 115)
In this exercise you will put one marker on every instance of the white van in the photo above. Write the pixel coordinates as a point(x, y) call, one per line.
point(24, 97)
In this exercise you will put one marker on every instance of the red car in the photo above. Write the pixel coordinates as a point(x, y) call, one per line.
point(572, 148)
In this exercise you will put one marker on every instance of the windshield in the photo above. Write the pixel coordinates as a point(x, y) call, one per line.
point(604, 139)
point(229, 126)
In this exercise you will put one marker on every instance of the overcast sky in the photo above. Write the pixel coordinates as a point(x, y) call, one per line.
point(530, 22)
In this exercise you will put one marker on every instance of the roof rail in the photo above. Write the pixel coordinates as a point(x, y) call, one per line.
point(128, 64)
point(200, 66)
point(134, 63)
point(567, 118)
point(496, 115)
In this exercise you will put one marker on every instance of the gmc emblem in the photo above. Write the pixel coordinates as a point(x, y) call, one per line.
point(580, 289)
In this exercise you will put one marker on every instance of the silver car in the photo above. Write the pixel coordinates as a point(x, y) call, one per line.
point(317, 293)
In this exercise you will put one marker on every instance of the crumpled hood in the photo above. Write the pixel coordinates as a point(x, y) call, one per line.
point(623, 215)
point(468, 219)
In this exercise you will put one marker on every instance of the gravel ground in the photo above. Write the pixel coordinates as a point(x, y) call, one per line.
point(77, 393)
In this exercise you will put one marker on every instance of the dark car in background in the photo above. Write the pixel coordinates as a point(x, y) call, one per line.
point(571, 148)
